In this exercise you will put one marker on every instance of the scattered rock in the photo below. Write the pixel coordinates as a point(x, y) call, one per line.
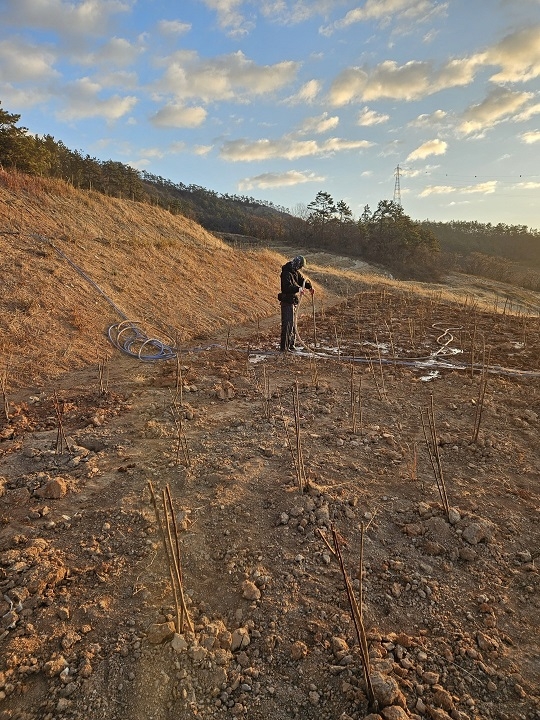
point(240, 639)
point(250, 591)
point(160, 632)
point(474, 533)
point(299, 650)
point(55, 666)
point(386, 690)
point(394, 712)
point(55, 489)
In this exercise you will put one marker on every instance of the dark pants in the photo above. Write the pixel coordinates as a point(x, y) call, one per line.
point(287, 326)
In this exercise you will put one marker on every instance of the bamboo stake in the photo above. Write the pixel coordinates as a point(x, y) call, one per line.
point(266, 394)
point(480, 401)
point(299, 454)
point(356, 401)
point(289, 444)
point(314, 321)
point(434, 456)
point(314, 369)
point(391, 338)
point(338, 345)
point(358, 624)
point(181, 439)
point(381, 367)
point(5, 401)
point(61, 439)
point(103, 375)
point(372, 370)
point(167, 554)
point(183, 607)
point(179, 382)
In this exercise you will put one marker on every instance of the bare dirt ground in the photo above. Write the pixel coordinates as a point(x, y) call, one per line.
point(450, 599)
point(88, 621)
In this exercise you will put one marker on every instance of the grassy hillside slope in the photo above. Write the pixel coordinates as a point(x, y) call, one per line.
point(162, 270)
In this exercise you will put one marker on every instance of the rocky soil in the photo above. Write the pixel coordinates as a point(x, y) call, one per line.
point(449, 592)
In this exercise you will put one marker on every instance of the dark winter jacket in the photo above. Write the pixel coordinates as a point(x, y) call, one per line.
point(292, 282)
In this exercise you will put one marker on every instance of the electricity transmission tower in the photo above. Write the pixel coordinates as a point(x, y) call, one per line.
point(397, 186)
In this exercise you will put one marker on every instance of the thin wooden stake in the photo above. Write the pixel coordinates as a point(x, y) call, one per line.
point(179, 383)
point(167, 554)
point(5, 401)
point(314, 321)
point(103, 375)
point(299, 455)
point(358, 625)
point(434, 456)
point(61, 439)
point(184, 616)
point(181, 439)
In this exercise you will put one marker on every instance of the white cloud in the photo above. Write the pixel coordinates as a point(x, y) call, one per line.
point(153, 152)
point(291, 13)
point(23, 62)
point(225, 77)
point(286, 147)
point(121, 79)
point(498, 105)
point(274, 180)
point(431, 147)
point(319, 125)
point(485, 188)
point(66, 18)
point(426, 121)
point(140, 164)
point(117, 52)
point(384, 11)
point(528, 113)
point(177, 147)
point(368, 117)
point(173, 27)
point(83, 101)
point(229, 16)
point(455, 73)
point(179, 116)
point(22, 99)
point(416, 172)
point(531, 137)
point(528, 185)
point(307, 93)
point(387, 80)
point(202, 150)
point(517, 55)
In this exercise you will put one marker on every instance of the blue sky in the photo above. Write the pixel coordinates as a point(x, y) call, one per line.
point(278, 99)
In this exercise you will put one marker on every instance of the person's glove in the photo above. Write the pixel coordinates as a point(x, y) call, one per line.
point(312, 291)
point(301, 291)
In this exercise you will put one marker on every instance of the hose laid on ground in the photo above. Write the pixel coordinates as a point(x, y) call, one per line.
point(428, 361)
point(130, 339)
point(127, 335)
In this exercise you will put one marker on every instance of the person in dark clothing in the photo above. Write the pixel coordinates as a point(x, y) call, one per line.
point(293, 284)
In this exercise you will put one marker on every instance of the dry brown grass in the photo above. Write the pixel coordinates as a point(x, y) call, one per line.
point(162, 270)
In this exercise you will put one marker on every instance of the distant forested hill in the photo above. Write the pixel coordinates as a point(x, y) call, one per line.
point(513, 242)
point(386, 235)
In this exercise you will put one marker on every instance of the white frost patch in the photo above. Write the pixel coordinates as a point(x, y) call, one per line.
point(256, 358)
point(430, 376)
